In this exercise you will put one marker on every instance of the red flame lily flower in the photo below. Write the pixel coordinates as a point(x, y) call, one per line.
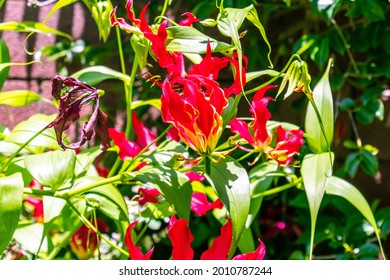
point(200, 205)
point(259, 137)
point(193, 103)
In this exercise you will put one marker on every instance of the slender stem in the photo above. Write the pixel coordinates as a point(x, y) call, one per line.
point(63, 243)
point(70, 193)
point(278, 189)
point(163, 11)
point(355, 129)
point(91, 226)
point(346, 45)
point(2, 168)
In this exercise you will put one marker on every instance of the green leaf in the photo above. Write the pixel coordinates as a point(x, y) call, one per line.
point(316, 169)
point(52, 208)
point(167, 153)
point(59, 5)
point(315, 128)
point(369, 163)
point(84, 161)
point(175, 187)
point(52, 169)
point(231, 182)
point(187, 39)
point(17, 166)
point(30, 237)
point(96, 74)
point(106, 198)
point(27, 129)
point(18, 98)
point(342, 188)
point(4, 58)
point(11, 197)
point(152, 102)
point(30, 26)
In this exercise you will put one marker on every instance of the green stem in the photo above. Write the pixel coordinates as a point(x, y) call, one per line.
point(278, 189)
point(70, 193)
point(91, 226)
point(20, 149)
point(163, 11)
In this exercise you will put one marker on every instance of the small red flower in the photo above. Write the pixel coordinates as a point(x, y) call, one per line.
point(148, 195)
point(259, 137)
point(85, 241)
point(130, 149)
point(200, 205)
point(258, 254)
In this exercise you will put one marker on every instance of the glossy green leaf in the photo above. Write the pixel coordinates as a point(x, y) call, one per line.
point(30, 26)
point(105, 198)
point(187, 39)
point(151, 102)
point(52, 169)
point(17, 166)
point(175, 187)
point(23, 131)
point(167, 153)
point(4, 58)
point(231, 182)
point(316, 169)
point(84, 161)
point(59, 5)
point(315, 128)
point(96, 74)
point(11, 197)
point(52, 207)
point(18, 98)
point(30, 237)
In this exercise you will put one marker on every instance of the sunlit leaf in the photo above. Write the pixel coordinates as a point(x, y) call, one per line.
point(4, 58)
point(30, 26)
point(23, 131)
point(187, 39)
point(18, 98)
point(59, 5)
point(52, 169)
point(322, 96)
point(175, 187)
point(152, 102)
point(316, 169)
point(11, 196)
point(231, 182)
point(96, 74)
point(105, 198)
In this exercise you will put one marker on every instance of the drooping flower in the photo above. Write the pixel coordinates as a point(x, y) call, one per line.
point(73, 96)
point(260, 138)
point(134, 251)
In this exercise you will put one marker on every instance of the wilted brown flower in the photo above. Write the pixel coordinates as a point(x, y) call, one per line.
point(73, 96)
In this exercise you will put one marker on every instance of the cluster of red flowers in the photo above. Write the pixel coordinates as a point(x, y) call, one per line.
point(193, 103)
